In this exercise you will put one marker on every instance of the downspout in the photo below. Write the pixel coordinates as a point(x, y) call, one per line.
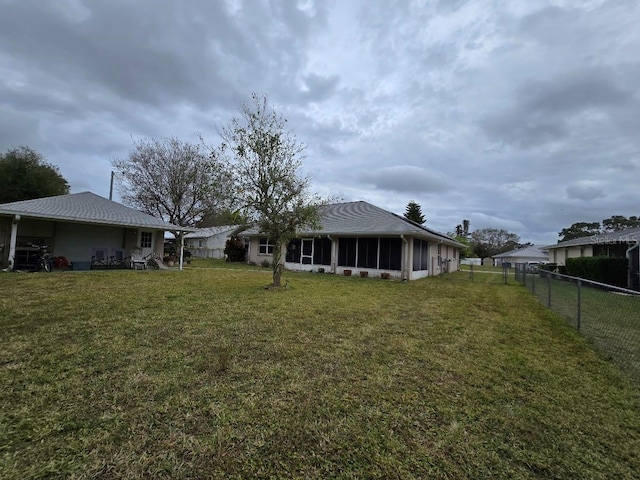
point(405, 259)
point(12, 242)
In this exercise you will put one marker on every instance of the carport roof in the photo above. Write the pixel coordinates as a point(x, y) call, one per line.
point(86, 207)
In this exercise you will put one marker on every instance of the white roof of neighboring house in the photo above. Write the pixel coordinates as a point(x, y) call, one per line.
point(362, 218)
point(532, 251)
point(85, 207)
point(628, 235)
point(213, 231)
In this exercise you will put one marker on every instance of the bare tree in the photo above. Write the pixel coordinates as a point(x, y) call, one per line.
point(172, 179)
point(266, 161)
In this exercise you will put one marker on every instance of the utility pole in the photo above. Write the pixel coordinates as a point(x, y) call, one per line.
point(111, 186)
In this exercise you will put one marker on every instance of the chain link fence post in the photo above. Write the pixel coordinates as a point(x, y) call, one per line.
point(579, 313)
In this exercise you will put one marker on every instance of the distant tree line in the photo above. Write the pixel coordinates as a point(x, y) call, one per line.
point(586, 229)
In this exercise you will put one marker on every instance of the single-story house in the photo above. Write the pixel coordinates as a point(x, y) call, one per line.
point(623, 243)
point(83, 228)
point(359, 236)
point(529, 255)
point(210, 242)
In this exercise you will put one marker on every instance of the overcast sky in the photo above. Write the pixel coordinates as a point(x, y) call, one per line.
point(523, 115)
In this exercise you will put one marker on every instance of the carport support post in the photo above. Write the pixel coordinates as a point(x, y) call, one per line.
point(181, 249)
point(12, 242)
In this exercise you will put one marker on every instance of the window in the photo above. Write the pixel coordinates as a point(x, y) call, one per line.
point(293, 251)
point(145, 239)
point(322, 251)
point(347, 252)
point(390, 254)
point(200, 243)
point(265, 247)
point(368, 252)
point(420, 255)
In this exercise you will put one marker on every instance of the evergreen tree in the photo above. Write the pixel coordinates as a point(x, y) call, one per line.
point(414, 213)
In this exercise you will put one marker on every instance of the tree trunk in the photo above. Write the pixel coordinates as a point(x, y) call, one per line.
point(277, 275)
point(277, 266)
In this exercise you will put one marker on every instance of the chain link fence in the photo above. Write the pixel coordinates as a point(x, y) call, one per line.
point(486, 274)
point(609, 316)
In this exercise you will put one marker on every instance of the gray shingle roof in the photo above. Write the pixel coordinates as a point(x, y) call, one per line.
point(211, 231)
point(629, 235)
point(362, 218)
point(532, 251)
point(85, 207)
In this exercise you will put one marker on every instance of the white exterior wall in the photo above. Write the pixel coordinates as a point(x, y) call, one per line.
point(514, 260)
point(560, 255)
point(254, 255)
point(212, 247)
point(449, 253)
point(76, 241)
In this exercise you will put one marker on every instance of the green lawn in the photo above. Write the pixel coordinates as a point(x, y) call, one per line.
point(205, 374)
point(610, 320)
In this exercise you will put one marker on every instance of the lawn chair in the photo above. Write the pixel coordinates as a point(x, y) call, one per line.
point(137, 261)
point(119, 259)
point(99, 258)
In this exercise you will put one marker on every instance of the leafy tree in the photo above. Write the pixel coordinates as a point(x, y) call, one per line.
point(266, 162)
point(580, 229)
point(222, 216)
point(467, 251)
point(619, 222)
point(172, 179)
point(234, 249)
point(462, 230)
point(25, 175)
point(414, 213)
point(488, 242)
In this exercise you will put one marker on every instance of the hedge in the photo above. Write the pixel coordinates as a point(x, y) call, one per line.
point(609, 270)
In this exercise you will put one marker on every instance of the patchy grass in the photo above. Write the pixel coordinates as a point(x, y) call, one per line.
point(218, 263)
point(205, 374)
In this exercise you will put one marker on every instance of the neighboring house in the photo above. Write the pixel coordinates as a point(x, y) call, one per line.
point(471, 261)
point(529, 255)
point(623, 243)
point(359, 236)
point(210, 242)
point(82, 227)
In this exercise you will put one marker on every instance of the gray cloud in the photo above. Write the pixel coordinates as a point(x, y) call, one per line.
point(493, 112)
point(585, 191)
point(407, 179)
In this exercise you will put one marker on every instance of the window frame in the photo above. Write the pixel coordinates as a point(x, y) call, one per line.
point(265, 244)
point(146, 239)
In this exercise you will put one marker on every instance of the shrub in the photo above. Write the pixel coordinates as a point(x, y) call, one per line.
point(234, 249)
point(609, 270)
